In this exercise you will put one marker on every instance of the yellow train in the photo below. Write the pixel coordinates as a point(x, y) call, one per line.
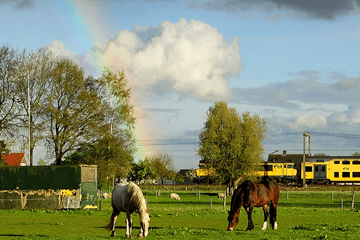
point(281, 172)
point(332, 169)
point(318, 169)
point(322, 169)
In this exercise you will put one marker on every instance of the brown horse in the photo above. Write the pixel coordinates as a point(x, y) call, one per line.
point(254, 194)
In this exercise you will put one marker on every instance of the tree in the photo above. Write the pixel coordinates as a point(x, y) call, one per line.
point(231, 144)
point(191, 174)
point(162, 166)
point(34, 74)
point(3, 149)
point(9, 61)
point(110, 154)
point(42, 162)
point(119, 100)
point(320, 154)
point(141, 171)
point(355, 154)
point(74, 112)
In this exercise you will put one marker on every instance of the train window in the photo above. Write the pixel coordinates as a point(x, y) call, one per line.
point(323, 169)
point(308, 169)
point(356, 174)
point(346, 162)
point(356, 162)
point(290, 166)
point(268, 167)
point(336, 162)
point(336, 174)
point(316, 168)
point(346, 174)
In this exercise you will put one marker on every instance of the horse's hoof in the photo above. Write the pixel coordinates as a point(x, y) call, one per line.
point(113, 235)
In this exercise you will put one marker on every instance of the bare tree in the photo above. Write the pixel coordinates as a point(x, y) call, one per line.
point(34, 73)
point(9, 61)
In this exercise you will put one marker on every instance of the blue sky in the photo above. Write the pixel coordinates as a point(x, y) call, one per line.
point(294, 63)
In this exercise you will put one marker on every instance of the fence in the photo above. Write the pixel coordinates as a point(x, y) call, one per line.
point(48, 187)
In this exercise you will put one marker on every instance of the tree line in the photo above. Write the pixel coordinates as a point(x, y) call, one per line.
point(47, 99)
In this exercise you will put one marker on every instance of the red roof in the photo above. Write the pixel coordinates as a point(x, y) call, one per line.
point(14, 159)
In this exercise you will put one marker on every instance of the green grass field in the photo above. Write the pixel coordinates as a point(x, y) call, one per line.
point(301, 215)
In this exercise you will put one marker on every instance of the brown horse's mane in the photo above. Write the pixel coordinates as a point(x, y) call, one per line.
point(238, 196)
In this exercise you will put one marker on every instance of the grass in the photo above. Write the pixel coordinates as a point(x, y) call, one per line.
point(301, 215)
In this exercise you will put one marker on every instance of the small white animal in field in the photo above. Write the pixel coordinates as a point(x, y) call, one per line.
point(174, 196)
point(221, 195)
point(106, 195)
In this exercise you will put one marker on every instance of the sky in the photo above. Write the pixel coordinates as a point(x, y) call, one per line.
point(293, 63)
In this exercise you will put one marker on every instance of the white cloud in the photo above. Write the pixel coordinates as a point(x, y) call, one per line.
point(306, 121)
point(58, 48)
point(190, 58)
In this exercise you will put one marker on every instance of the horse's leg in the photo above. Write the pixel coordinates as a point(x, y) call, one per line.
point(128, 226)
point(266, 215)
point(114, 217)
point(249, 211)
point(141, 233)
point(273, 215)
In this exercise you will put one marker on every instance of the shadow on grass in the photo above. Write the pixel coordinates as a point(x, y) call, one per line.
point(21, 235)
point(201, 202)
point(314, 205)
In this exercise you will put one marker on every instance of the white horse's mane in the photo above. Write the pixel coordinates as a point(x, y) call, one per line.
point(137, 199)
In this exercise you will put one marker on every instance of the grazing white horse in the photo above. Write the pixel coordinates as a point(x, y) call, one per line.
point(129, 198)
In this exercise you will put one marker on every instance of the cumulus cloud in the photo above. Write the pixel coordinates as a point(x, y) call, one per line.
point(190, 58)
point(310, 122)
point(58, 48)
point(327, 10)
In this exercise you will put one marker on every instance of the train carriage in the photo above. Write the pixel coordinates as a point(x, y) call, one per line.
point(281, 172)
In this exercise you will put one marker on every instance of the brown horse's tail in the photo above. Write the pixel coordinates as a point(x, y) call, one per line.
point(110, 225)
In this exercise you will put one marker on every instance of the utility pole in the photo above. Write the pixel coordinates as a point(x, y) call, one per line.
point(303, 168)
point(29, 110)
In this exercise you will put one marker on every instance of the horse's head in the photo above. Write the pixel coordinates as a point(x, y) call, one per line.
point(144, 224)
point(233, 220)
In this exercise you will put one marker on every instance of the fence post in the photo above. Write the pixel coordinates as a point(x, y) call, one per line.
point(100, 200)
point(199, 194)
point(287, 194)
point(342, 204)
point(352, 198)
point(332, 195)
point(224, 203)
point(211, 203)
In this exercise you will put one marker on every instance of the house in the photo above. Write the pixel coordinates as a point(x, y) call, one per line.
point(14, 159)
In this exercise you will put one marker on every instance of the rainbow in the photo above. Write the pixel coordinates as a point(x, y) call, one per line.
point(87, 20)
